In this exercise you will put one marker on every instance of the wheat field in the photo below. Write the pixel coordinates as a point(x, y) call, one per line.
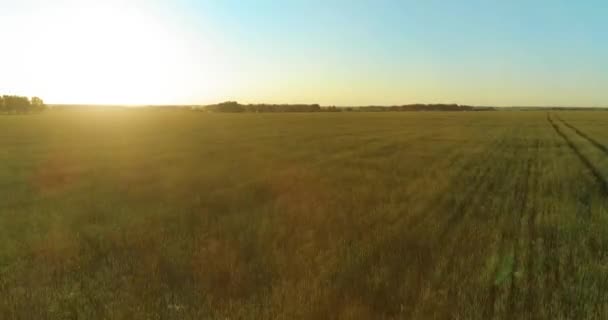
point(151, 214)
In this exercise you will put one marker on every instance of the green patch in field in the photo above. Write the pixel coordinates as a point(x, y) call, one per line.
point(505, 269)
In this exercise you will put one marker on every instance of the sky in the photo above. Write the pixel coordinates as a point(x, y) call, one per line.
point(499, 53)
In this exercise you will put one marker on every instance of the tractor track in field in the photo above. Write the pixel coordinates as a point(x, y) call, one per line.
point(460, 213)
point(559, 276)
point(570, 264)
point(595, 172)
point(525, 236)
point(522, 240)
point(452, 222)
point(521, 196)
point(524, 198)
point(469, 200)
point(448, 227)
point(509, 242)
point(532, 232)
point(451, 227)
point(594, 142)
point(419, 219)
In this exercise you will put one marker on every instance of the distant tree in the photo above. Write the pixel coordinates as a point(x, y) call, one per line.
point(332, 109)
point(228, 106)
point(16, 104)
point(19, 104)
point(37, 104)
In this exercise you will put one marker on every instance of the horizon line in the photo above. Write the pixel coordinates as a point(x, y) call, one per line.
point(320, 105)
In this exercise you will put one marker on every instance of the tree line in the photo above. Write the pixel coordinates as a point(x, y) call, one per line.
point(233, 106)
point(19, 104)
point(423, 107)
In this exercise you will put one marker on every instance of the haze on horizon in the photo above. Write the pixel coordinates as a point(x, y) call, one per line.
point(328, 52)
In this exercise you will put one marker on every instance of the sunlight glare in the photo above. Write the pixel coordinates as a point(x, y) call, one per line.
point(106, 54)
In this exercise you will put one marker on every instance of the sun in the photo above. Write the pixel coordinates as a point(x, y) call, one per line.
point(105, 54)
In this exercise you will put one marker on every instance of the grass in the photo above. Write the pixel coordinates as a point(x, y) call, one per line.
point(132, 214)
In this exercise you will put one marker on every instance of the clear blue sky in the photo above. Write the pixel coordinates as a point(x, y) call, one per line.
point(371, 52)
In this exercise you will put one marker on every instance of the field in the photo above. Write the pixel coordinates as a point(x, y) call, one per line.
point(133, 214)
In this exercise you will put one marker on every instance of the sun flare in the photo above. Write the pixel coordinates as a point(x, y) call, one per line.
point(105, 54)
